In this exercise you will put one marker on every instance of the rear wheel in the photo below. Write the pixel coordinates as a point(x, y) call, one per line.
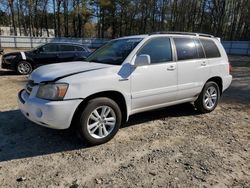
point(24, 68)
point(99, 121)
point(208, 98)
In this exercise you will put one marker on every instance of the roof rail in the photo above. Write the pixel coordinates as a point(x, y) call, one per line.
point(182, 33)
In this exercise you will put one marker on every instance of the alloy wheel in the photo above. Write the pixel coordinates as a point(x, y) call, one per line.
point(101, 122)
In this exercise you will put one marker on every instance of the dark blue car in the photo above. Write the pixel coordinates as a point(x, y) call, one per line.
point(25, 62)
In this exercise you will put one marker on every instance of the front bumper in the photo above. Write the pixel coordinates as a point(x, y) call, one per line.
point(5, 64)
point(52, 114)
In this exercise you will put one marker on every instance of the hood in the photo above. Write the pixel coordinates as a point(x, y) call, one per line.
point(11, 53)
point(57, 71)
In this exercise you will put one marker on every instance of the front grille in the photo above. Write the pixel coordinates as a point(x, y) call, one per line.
point(4, 61)
point(29, 86)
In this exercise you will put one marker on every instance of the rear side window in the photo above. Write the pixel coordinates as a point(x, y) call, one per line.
point(210, 48)
point(186, 48)
point(199, 48)
point(159, 50)
point(66, 48)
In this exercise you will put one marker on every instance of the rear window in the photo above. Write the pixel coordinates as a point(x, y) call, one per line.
point(210, 48)
point(186, 48)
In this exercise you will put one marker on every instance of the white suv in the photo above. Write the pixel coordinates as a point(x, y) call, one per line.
point(127, 76)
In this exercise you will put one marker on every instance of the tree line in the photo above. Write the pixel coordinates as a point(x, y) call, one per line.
point(228, 19)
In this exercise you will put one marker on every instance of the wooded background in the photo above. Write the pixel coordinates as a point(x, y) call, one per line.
point(228, 19)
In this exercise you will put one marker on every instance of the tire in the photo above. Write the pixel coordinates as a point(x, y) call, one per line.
point(92, 123)
point(24, 68)
point(208, 98)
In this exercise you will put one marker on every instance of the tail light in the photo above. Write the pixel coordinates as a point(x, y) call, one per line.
point(230, 68)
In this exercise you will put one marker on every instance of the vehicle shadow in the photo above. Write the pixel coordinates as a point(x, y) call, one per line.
point(8, 73)
point(20, 138)
point(186, 109)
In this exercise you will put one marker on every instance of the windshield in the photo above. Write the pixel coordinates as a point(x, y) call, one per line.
point(114, 52)
point(37, 48)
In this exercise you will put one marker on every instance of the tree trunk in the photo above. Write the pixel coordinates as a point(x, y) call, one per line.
point(66, 18)
point(58, 18)
point(12, 16)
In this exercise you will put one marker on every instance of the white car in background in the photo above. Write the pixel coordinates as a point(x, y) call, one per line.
point(124, 77)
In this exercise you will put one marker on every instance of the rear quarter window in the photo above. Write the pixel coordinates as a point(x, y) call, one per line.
point(210, 48)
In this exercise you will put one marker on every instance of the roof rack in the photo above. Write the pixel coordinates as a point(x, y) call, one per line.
point(182, 33)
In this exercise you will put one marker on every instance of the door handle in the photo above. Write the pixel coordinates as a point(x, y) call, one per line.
point(203, 63)
point(171, 68)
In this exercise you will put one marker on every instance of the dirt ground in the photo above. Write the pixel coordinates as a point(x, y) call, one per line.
point(170, 147)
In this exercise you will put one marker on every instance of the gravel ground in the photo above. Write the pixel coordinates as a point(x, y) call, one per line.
point(171, 147)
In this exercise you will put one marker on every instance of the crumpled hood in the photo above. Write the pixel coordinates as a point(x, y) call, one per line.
point(60, 70)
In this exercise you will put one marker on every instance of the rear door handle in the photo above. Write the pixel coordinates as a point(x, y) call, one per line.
point(203, 63)
point(171, 68)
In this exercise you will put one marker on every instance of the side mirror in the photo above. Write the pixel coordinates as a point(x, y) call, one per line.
point(142, 60)
point(36, 51)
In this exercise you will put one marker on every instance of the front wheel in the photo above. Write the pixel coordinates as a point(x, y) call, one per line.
point(24, 68)
point(208, 98)
point(99, 121)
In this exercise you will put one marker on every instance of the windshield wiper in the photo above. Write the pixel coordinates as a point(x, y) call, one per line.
point(95, 61)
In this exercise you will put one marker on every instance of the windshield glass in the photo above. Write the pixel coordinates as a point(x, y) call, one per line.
point(114, 52)
point(36, 48)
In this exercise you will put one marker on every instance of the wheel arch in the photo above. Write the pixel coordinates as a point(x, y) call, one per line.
point(218, 81)
point(118, 97)
point(30, 61)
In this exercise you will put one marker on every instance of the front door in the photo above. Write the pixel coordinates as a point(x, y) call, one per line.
point(155, 84)
point(46, 54)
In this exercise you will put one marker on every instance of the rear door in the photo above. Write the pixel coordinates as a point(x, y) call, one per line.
point(66, 53)
point(193, 70)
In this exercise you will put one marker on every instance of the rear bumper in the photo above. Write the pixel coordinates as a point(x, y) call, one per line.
point(52, 114)
point(226, 80)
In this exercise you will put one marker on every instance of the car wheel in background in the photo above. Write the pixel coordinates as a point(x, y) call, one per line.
point(24, 68)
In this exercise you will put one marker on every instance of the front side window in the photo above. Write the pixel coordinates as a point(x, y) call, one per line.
point(210, 48)
point(185, 48)
point(159, 50)
point(49, 48)
point(114, 52)
point(79, 49)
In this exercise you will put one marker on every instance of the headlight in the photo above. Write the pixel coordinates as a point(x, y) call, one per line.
point(10, 57)
point(52, 91)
